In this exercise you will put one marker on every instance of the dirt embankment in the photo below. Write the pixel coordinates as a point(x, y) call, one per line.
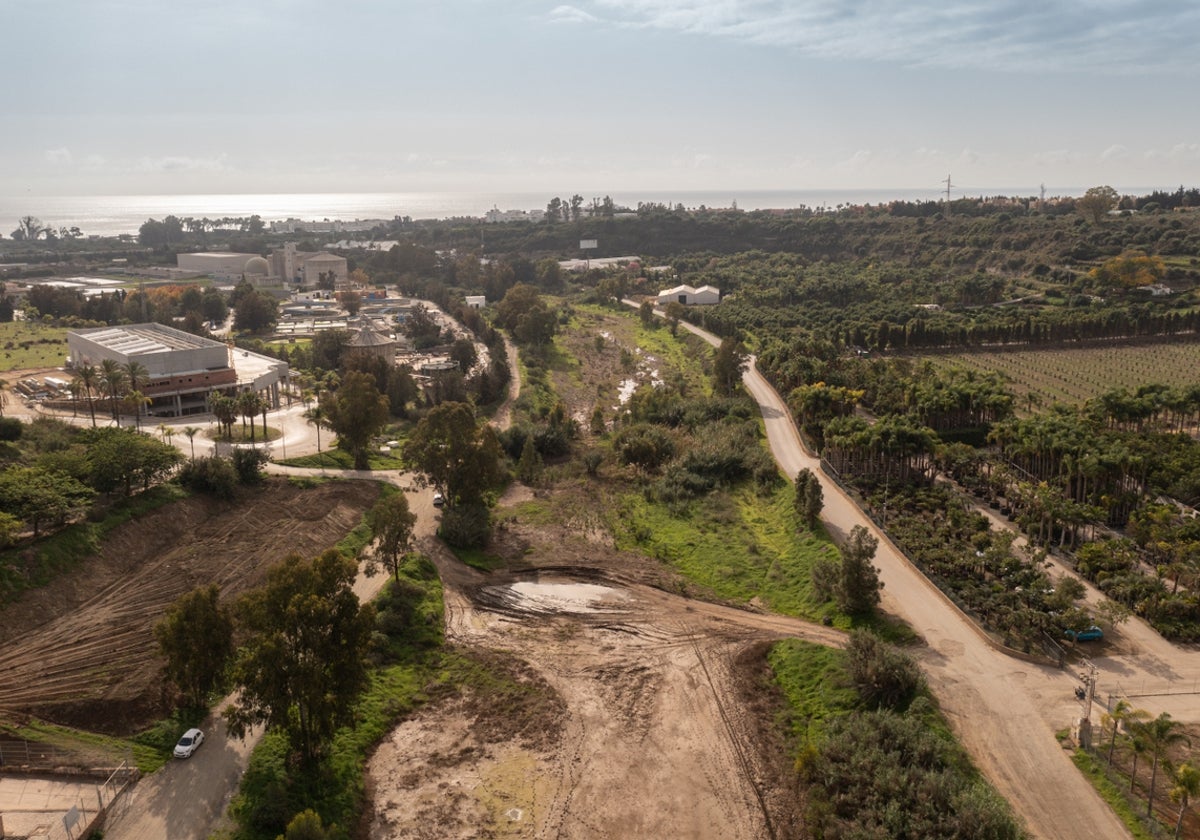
point(81, 650)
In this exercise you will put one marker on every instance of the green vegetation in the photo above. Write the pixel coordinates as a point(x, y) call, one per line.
point(147, 755)
point(1126, 810)
point(22, 569)
point(406, 652)
point(337, 459)
point(739, 547)
point(878, 763)
point(1075, 375)
point(26, 345)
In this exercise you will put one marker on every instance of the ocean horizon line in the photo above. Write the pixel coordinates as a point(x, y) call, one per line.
point(115, 214)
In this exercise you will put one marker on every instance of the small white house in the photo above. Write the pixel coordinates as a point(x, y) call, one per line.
point(690, 296)
point(476, 301)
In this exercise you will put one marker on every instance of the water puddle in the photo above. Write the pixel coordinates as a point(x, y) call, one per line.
point(547, 598)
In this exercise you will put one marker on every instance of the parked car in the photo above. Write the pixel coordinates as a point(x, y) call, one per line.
point(1092, 634)
point(188, 744)
point(438, 500)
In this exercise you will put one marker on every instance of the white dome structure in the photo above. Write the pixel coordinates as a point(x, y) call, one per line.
point(257, 265)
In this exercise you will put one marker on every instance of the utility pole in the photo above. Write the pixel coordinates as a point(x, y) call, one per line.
point(948, 186)
point(1042, 200)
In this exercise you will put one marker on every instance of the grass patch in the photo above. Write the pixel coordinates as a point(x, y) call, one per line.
point(740, 546)
point(242, 435)
point(814, 684)
point(339, 459)
point(31, 344)
point(105, 748)
point(1116, 798)
point(36, 565)
point(479, 559)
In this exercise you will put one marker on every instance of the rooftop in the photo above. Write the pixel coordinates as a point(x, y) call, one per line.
point(145, 338)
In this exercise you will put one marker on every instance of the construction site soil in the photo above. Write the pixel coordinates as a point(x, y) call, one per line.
point(81, 651)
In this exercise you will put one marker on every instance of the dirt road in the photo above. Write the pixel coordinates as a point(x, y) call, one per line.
point(650, 745)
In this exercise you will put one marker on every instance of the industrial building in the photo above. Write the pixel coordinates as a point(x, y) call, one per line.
point(182, 369)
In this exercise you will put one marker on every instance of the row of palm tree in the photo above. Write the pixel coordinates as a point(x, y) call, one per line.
point(245, 404)
point(119, 382)
point(1154, 739)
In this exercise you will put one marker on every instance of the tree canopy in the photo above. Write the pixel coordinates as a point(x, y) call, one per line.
point(302, 664)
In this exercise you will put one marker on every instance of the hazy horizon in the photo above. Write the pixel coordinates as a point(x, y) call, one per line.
point(137, 97)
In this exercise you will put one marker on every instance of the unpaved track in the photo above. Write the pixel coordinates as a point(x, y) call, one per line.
point(651, 745)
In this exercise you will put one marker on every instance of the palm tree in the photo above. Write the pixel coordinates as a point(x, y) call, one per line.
point(168, 433)
point(137, 401)
point(1138, 746)
point(191, 432)
point(1161, 734)
point(136, 376)
point(1187, 787)
point(316, 416)
point(113, 377)
point(89, 377)
point(74, 388)
point(1122, 714)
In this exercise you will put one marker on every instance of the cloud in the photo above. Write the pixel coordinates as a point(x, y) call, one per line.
point(1110, 36)
point(59, 157)
point(1114, 153)
point(570, 14)
point(176, 163)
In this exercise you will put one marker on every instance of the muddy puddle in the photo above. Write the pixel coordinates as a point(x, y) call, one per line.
point(548, 597)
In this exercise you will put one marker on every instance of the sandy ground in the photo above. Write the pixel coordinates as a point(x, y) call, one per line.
point(652, 744)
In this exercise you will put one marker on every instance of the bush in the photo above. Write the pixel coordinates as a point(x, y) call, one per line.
point(466, 526)
point(248, 463)
point(884, 676)
point(11, 428)
point(214, 476)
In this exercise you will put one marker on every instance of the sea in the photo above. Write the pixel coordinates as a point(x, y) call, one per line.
point(112, 215)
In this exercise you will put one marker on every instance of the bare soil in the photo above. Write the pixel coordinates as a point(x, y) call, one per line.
point(81, 651)
point(664, 729)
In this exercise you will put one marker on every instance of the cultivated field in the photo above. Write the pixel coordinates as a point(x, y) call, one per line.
point(1075, 375)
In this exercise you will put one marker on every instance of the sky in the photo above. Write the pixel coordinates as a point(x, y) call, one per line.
point(284, 96)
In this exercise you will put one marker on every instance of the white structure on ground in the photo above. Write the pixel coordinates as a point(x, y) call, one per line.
point(181, 368)
point(476, 301)
point(286, 267)
point(689, 296)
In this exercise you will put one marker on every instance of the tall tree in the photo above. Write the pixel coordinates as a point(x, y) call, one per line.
point(196, 637)
point(89, 377)
point(1186, 788)
point(809, 498)
point(728, 364)
point(1096, 202)
point(1161, 735)
point(112, 376)
point(456, 454)
point(357, 412)
point(858, 585)
point(136, 377)
point(302, 665)
point(392, 524)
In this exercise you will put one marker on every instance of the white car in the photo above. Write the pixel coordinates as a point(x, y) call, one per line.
point(188, 744)
point(438, 500)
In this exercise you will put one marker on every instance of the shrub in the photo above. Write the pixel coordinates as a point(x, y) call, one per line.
point(248, 462)
point(213, 475)
point(11, 428)
point(884, 676)
point(465, 526)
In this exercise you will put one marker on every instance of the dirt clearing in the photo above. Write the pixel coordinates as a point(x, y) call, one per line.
point(81, 650)
point(654, 739)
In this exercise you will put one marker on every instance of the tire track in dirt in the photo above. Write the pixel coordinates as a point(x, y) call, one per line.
point(87, 655)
